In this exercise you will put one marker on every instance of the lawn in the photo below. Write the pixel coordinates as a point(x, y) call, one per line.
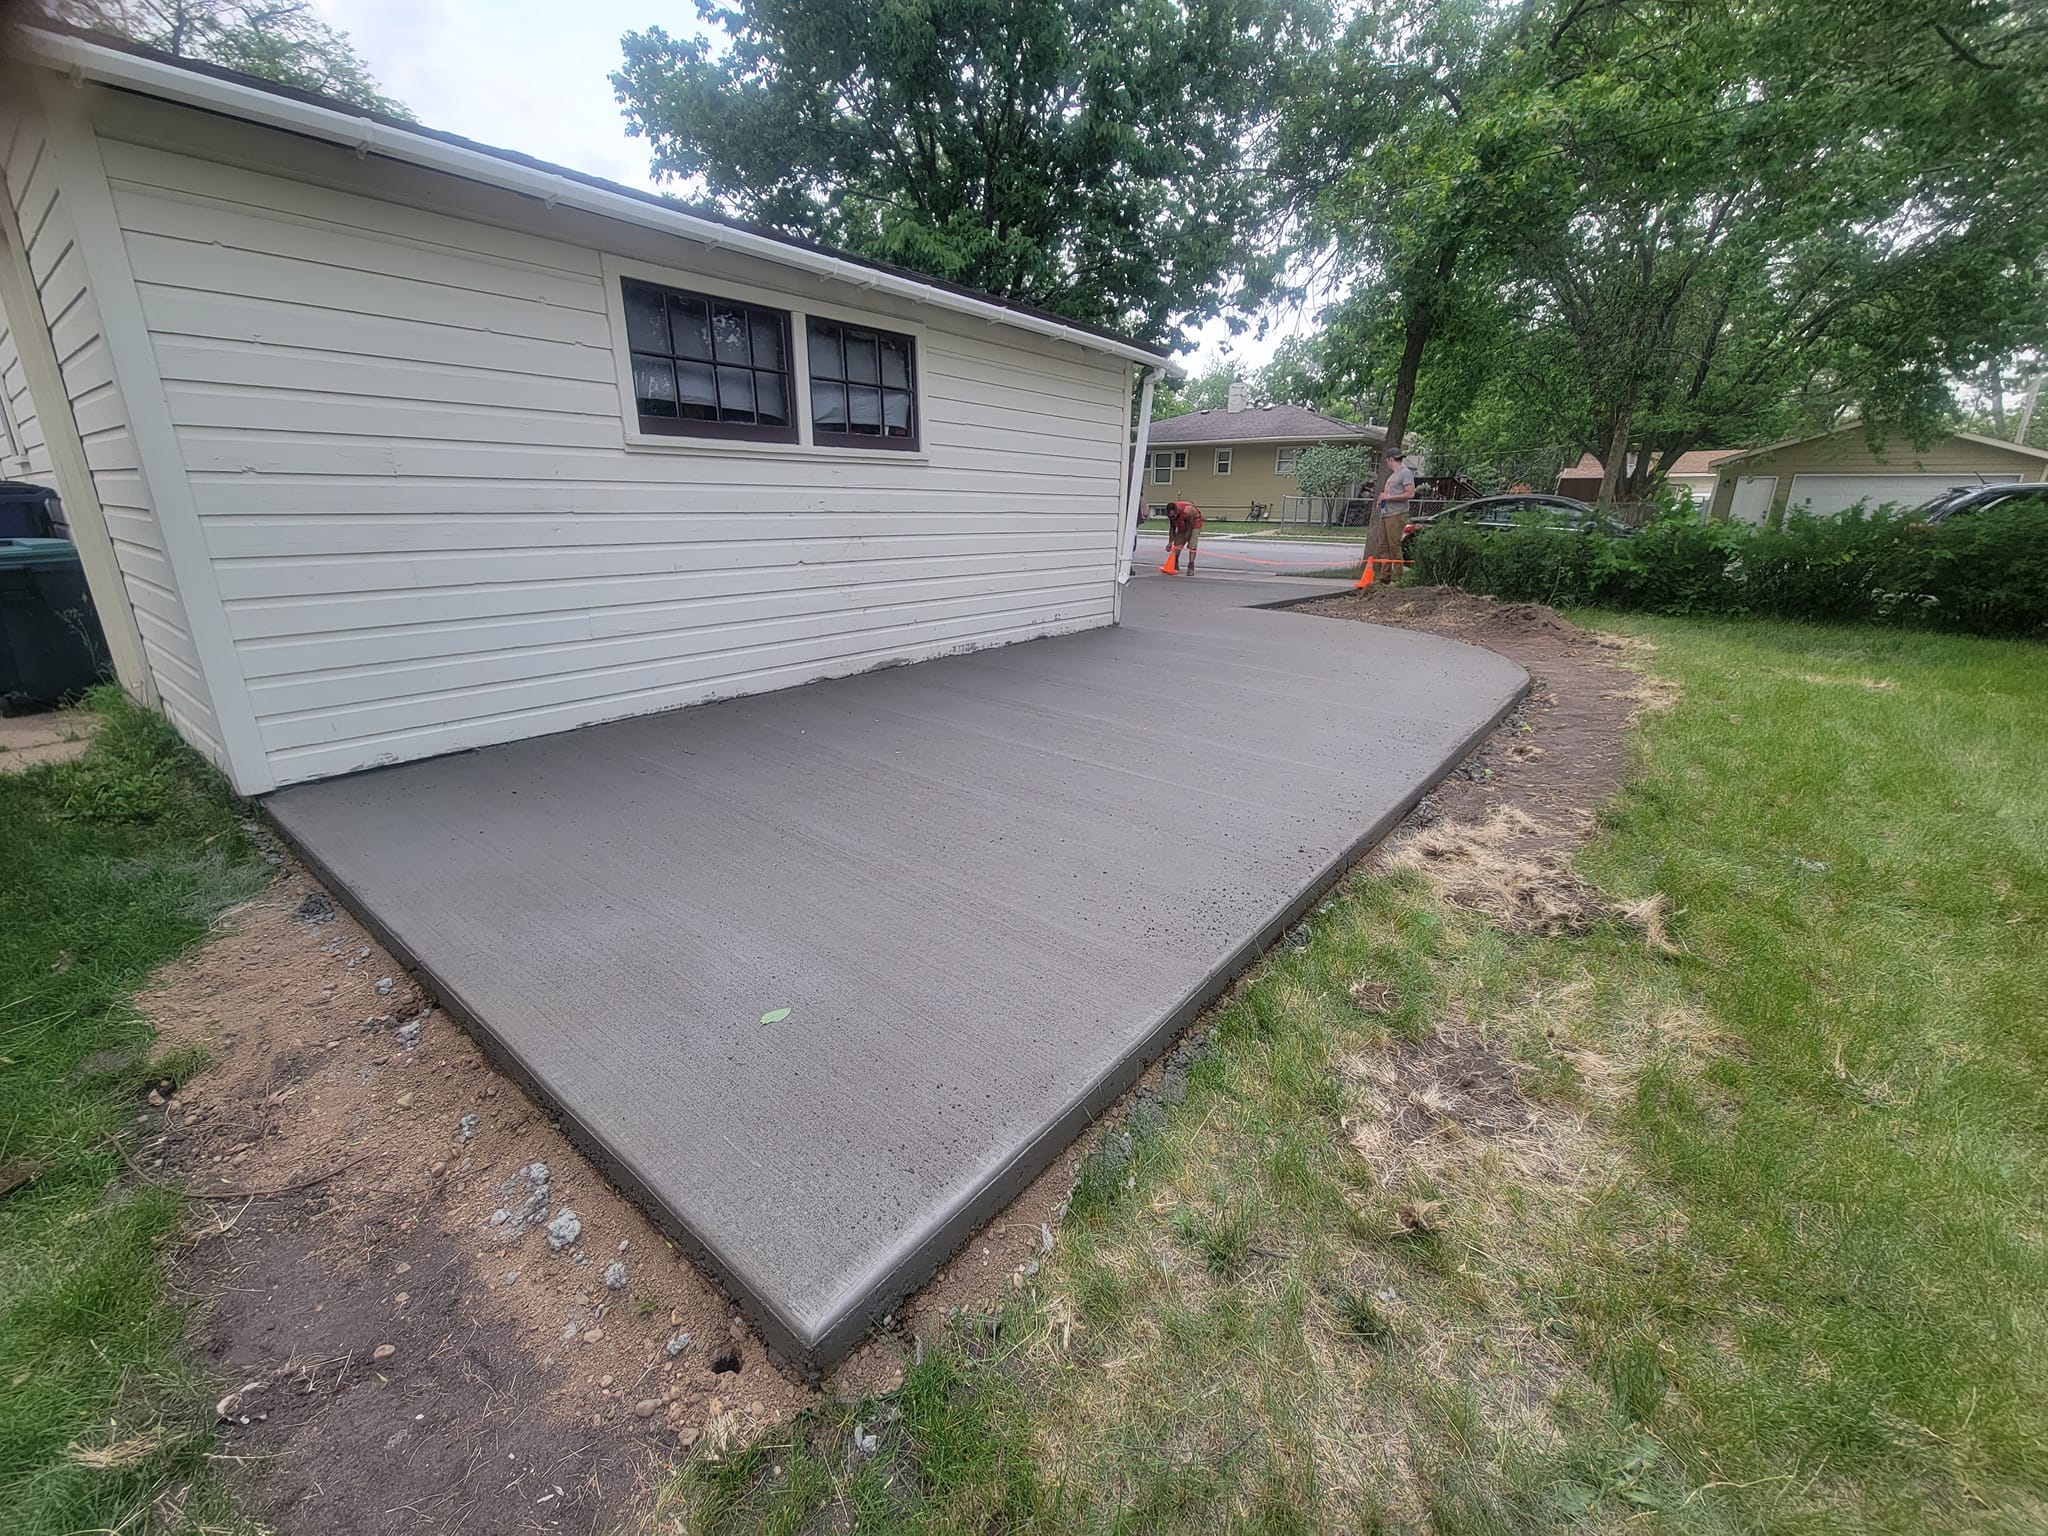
point(1749, 1239)
point(108, 868)
point(1759, 1248)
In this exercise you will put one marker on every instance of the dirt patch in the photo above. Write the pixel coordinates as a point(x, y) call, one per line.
point(367, 1179)
point(1527, 797)
point(1438, 1087)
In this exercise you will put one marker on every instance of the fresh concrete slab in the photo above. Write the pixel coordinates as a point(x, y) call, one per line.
point(972, 898)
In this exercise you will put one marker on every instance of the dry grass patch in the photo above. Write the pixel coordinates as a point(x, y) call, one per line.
point(1513, 869)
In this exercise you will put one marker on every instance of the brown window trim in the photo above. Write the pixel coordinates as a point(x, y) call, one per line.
point(680, 426)
point(825, 437)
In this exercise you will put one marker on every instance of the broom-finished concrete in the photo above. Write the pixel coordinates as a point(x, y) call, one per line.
point(986, 890)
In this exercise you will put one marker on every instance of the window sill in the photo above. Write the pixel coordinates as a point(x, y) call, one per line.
point(651, 442)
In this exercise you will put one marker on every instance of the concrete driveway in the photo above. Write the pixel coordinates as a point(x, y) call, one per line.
point(986, 890)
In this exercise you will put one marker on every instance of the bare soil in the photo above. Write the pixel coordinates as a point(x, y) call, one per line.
point(350, 1187)
point(1565, 751)
point(352, 1170)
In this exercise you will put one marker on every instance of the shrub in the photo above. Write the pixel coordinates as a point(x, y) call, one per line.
point(1676, 564)
point(1985, 573)
point(1448, 554)
point(1847, 569)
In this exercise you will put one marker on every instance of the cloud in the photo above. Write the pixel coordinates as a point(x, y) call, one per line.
point(530, 75)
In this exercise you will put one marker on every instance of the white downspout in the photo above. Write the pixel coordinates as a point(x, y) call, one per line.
point(1151, 375)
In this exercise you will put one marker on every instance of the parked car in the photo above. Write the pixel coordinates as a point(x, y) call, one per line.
point(1494, 513)
point(1975, 498)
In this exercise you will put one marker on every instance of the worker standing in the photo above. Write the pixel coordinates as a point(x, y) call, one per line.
point(1183, 534)
point(1395, 497)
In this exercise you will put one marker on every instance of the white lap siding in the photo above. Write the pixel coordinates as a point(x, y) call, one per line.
point(73, 318)
point(403, 432)
point(27, 457)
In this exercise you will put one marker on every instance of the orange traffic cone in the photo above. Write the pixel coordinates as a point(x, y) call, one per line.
point(1365, 576)
point(1172, 566)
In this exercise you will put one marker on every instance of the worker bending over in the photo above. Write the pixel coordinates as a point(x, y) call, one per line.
point(1183, 533)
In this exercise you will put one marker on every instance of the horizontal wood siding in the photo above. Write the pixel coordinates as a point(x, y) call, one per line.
point(403, 430)
point(95, 403)
point(29, 457)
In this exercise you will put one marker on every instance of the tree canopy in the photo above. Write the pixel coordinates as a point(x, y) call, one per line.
point(1093, 157)
point(281, 40)
point(1640, 228)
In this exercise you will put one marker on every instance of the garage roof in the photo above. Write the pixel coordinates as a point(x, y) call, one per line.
point(1261, 424)
point(1857, 426)
point(119, 62)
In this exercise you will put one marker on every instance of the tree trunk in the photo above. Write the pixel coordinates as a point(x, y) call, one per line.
point(1422, 314)
point(1616, 456)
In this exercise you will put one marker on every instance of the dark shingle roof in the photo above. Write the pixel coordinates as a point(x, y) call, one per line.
point(1262, 423)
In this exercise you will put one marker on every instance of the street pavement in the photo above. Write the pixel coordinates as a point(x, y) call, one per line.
point(1248, 556)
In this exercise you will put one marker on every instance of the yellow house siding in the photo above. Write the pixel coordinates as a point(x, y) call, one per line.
point(1253, 478)
point(1848, 452)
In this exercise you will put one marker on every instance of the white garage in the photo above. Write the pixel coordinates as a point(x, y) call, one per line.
point(1828, 495)
point(1827, 474)
point(379, 445)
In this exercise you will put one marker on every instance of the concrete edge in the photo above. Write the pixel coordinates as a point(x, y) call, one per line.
point(782, 1337)
point(907, 1273)
point(910, 1269)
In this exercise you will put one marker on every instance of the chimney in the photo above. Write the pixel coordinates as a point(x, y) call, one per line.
point(1236, 395)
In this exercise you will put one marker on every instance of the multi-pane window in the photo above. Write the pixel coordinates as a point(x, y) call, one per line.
point(863, 387)
point(709, 367)
point(1284, 459)
point(1165, 462)
point(1222, 461)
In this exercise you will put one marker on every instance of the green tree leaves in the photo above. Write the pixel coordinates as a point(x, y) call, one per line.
point(1097, 158)
point(281, 40)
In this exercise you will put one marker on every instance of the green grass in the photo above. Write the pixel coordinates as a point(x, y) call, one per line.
point(1769, 1257)
point(109, 867)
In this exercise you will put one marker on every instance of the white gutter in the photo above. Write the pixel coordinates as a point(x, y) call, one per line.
point(1123, 570)
point(83, 60)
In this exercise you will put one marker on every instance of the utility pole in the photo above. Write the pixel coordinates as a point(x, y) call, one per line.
point(2027, 410)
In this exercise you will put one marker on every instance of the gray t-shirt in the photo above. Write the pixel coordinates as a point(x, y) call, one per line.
point(1400, 484)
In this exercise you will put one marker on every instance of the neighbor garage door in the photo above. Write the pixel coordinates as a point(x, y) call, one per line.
point(1825, 495)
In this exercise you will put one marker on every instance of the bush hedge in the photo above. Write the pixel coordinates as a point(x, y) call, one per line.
point(1985, 573)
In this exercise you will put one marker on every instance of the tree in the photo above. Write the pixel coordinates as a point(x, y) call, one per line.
point(1092, 157)
point(1806, 206)
point(1396, 157)
point(279, 40)
point(1208, 390)
point(1329, 470)
point(1674, 222)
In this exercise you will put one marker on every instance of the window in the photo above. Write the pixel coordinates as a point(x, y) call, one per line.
point(1180, 458)
point(1284, 459)
point(709, 367)
point(1162, 469)
point(863, 387)
point(1222, 461)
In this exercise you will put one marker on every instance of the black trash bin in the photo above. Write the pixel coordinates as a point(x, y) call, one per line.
point(27, 510)
point(51, 646)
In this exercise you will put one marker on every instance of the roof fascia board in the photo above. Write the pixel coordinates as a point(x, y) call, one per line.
point(85, 60)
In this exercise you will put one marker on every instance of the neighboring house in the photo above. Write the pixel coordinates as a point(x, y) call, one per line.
point(1227, 462)
point(379, 444)
point(1692, 472)
point(1830, 472)
point(23, 453)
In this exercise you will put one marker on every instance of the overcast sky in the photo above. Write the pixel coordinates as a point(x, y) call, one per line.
point(535, 75)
